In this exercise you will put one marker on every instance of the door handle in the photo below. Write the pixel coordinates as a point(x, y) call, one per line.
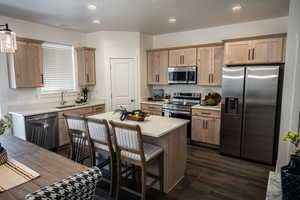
point(87, 78)
point(203, 124)
point(253, 53)
point(158, 78)
point(42, 78)
point(212, 78)
point(249, 52)
point(132, 100)
point(182, 59)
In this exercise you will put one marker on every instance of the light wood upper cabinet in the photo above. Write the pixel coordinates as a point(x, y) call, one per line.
point(86, 66)
point(210, 65)
point(256, 51)
point(237, 52)
point(26, 65)
point(183, 57)
point(267, 50)
point(158, 62)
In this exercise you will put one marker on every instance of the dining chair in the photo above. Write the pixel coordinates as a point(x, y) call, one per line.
point(38, 133)
point(80, 147)
point(101, 142)
point(130, 147)
point(81, 186)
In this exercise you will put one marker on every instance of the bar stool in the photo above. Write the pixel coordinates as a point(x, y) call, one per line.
point(81, 147)
point(129, 147)
point(102, 143)
point(39, 133)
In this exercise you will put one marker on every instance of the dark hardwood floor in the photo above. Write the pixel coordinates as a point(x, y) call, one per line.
point(211, 176)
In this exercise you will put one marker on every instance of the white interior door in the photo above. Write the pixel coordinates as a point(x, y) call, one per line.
point(123, 83)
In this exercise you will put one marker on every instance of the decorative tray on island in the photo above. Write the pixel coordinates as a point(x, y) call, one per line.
point(135, 115)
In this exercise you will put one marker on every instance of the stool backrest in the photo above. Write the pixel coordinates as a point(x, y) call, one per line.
point(128, 140)
point(79, 137)
point(99, 133)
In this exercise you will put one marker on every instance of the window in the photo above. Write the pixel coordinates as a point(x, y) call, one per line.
point(59, 70)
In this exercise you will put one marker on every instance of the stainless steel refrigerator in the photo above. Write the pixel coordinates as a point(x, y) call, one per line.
point(250, 112)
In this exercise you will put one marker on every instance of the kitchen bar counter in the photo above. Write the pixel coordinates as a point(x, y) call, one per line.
point(35, 109)
point(171, 135)
point(153, 126)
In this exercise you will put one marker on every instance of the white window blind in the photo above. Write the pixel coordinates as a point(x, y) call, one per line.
point(58, 68)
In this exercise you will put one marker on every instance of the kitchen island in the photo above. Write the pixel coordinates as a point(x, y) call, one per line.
point(170, 134)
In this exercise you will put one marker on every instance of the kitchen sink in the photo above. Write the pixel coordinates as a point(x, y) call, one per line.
point(65, 106)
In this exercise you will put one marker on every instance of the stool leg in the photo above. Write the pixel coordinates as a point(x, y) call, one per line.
point(118, 181)
point(161, 172)
point(143, 177)
point(112, 176)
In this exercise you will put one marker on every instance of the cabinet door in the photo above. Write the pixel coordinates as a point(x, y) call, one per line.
point(213, 126)
point(20, 64)
point(204, 63)
point(237, 52)
point(267, 50)
point(199, 129)
point(175, 58)
point(163, 67)
point(35, 64)
point(217, 66)
point(28, 65)
point(150, 71)
point(90, 70)
point(189, 57)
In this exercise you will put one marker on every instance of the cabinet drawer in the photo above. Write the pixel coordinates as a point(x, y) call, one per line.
point(151, 112)
point(98, 109)
point(206, 113)
point(150, 107)
point(79, 111)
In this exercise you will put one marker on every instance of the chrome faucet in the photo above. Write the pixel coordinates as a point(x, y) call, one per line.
point(62, 101)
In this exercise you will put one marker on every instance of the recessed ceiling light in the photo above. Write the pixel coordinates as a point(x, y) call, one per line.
point(172, 20)
point(236, 7)
point(96, 21)
point(92, 7)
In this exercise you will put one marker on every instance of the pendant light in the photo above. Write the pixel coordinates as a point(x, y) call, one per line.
point(8, 43)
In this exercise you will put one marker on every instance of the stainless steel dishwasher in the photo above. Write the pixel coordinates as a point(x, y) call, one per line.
point(51, 126)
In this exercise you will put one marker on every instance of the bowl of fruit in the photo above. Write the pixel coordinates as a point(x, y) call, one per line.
point(137, 115)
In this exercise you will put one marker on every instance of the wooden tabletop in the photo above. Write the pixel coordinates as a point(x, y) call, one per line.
point(51, 167)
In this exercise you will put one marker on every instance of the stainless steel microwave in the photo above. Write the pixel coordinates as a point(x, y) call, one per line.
point(182, 75)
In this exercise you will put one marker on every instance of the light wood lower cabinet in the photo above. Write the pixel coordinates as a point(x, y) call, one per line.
point(151, 109)
point(206, 128)
point(63, 137)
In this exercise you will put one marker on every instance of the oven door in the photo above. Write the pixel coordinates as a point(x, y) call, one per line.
point(181, 115)
point(177, 75)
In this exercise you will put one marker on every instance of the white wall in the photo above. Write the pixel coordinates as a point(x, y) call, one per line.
point(291, 90)
point(217, 34)
point(112, 44)
point(36, 31)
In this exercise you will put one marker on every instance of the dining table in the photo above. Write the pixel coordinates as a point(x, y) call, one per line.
point(52, 167)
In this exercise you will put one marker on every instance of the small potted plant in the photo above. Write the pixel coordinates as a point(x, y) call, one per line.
point(5, 123)
point(290, 174)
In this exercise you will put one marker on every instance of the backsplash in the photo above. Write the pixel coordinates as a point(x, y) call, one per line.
point(170, 89)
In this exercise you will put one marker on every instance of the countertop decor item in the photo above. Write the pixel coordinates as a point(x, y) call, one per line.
point(8, 42)
point(135, 115)
point(211, 99)
point(290, 174)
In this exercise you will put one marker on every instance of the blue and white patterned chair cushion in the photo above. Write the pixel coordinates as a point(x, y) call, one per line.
point(81, 186)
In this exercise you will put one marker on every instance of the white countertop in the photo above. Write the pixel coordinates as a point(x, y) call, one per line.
point(216, 108)
point(153, 126)
point(160, 103)
point(36, 109)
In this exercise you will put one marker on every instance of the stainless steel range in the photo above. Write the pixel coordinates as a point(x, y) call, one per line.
point(181, 107)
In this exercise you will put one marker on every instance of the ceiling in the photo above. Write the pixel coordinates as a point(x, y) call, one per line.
point(148, 16)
